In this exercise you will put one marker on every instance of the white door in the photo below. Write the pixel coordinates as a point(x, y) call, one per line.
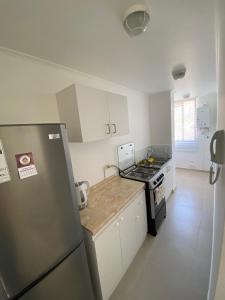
point(93, 112)
point(128, 235)
point(141, 219)
point(118, 110)
point(109, 259)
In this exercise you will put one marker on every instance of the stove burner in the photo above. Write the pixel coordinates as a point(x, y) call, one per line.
point(157, 164)
point(143, 173)
point(139, 175)
point(150, 171)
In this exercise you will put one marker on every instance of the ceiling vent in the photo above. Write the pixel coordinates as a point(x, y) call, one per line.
point(136, 20)
point(179, 72)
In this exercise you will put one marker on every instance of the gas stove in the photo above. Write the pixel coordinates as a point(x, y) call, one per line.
point(153, 177)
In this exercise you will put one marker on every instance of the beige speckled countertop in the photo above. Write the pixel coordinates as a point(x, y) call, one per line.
point(106, 199)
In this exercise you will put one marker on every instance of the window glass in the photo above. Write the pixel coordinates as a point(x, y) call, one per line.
point(185, 120)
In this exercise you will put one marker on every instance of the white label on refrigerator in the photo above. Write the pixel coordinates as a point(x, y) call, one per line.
point(4, 171)
point(25, 165)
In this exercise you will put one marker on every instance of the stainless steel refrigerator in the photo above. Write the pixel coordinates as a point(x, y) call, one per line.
point(42, 254)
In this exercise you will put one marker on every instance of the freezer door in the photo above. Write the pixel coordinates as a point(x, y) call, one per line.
point(69, 281)
point(39, 223)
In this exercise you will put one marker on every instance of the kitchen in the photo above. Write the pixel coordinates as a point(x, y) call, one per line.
point(29, 86)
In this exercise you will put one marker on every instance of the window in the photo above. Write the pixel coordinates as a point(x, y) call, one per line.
point(185, 123)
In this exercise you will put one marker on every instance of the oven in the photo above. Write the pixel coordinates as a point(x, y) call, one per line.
point(156, 205)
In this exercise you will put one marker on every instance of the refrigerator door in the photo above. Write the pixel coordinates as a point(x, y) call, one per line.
point(39, 223)
point(69, 281)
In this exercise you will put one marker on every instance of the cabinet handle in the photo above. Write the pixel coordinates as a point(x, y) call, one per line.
point(108, 129)
point(114, 125)
point(117, 224)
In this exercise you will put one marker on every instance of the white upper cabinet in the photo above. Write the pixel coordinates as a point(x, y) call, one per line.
point(92, 114)
point(118, 114)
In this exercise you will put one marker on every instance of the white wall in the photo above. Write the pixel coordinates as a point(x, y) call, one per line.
point(160, 118)
point(27, 95)
point(200, 158)
point(217, 288)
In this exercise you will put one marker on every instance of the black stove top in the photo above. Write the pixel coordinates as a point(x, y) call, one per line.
point(142, 173)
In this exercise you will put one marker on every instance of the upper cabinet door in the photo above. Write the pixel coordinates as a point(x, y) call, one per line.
point(93, 113)
point(118, 110)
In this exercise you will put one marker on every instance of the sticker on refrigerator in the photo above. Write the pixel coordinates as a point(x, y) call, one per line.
point(25, 165)
point(4, 171)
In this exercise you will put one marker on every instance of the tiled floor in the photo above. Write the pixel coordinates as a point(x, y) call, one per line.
point(175, 265)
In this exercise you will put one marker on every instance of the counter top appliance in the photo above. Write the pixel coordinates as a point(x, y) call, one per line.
point(153, 178)
point(83, 188)
point(42, 253)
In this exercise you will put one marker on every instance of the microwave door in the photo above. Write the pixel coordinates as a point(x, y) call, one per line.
point(217, 155)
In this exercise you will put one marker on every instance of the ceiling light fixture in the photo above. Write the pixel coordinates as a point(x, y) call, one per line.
point(136, 20)
point(188, 95)
point(179, 72)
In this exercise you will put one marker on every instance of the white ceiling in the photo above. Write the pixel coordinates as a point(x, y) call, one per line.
point(88, 35)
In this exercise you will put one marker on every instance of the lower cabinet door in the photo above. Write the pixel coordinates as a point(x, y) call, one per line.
point(168, 180)
point(109, 258)
point(141, 220)
point(128, 235)
point(166, 186)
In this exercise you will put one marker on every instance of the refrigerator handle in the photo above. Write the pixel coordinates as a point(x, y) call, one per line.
point(211, 175)
point(217, 152)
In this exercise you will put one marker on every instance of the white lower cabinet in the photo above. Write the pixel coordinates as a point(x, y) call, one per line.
point(141, 221)
point(128, 236)
point(168, 179)
point(118, 244)
point(109, 259)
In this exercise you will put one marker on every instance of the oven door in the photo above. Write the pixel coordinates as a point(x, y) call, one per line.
point(157, 198)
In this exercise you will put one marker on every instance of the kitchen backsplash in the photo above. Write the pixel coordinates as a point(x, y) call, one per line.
point(161, 151)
